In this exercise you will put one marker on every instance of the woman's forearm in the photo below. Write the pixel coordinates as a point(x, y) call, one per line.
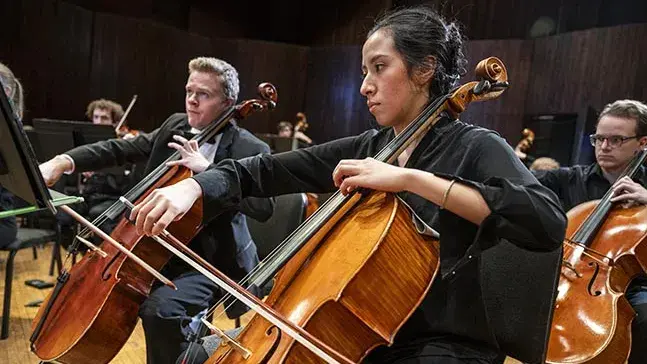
point(460, 199)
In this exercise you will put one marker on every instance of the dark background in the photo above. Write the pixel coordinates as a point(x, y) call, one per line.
point(562, 56)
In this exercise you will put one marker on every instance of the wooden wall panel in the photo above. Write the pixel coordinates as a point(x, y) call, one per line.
point(334, 106)
point(505, 114)
point(588, 68)
point(47, 47)
point(282, 65)
point(132, 56)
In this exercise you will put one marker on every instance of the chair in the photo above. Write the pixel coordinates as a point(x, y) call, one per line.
point(289, 213)
point(26, 238)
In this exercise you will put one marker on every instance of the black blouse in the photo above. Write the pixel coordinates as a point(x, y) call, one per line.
point(524, 212)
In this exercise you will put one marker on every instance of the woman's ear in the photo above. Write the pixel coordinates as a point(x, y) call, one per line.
point(424, 73)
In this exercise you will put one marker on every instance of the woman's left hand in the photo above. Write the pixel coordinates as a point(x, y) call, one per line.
point(191, 156)
point(368, 173)
point(625, 189)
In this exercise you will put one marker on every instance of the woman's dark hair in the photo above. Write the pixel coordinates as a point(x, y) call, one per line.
point(419, 32)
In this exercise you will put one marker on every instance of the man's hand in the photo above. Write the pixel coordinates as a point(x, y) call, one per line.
point(53, 169)
point(625, 189)
point(191, 156)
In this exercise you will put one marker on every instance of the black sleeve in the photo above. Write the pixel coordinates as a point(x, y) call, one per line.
point(523, 211)
point(303, 170)
point(555, 179)
point(113, 152)
point(258, 208)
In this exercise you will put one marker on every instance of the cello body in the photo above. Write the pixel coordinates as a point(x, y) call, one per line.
point(592, 317)
point(337, 287)
point(97, 309)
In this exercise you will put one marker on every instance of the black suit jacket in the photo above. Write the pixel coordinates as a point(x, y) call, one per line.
point(225, 241)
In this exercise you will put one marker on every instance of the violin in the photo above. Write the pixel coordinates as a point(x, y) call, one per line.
point(121, 129)
point(605, 248)
point(93, 309)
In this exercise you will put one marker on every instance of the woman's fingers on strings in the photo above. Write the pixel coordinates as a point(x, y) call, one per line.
point(348, 185)
point(343, 171)
point(624, 197)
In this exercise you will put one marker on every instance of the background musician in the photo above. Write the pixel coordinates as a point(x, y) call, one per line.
point(621, 132)
point(99, 189)
point(13, 89)
point(225, 242)
point(286, 130)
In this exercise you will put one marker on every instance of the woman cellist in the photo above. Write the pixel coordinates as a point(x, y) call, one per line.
point(465, 181)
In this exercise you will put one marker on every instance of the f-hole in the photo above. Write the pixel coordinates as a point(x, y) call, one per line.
point(595, 275)
point(106, 274)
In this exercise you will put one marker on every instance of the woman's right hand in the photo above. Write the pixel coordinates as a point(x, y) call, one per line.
point(53, 169)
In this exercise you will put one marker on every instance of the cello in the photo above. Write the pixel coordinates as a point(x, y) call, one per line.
point(94, 307)
point(605, 248)
point(526, 142)
point(378, 280)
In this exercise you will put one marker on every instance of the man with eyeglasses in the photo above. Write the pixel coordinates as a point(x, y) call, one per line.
point(621, 132)
point(225, 242)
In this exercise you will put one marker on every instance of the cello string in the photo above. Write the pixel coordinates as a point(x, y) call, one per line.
point(585, 251)
point(278, 253)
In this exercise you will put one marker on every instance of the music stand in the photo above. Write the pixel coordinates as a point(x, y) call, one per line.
point(276, 143)
point(19, 172)
point(56, 137)
point(59, 136)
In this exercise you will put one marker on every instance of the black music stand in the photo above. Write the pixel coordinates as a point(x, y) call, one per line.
point(19, 171)
point(276, 143)
point(58, 136)
point(54, 137)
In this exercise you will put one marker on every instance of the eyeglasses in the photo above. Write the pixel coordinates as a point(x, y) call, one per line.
point(613, 141)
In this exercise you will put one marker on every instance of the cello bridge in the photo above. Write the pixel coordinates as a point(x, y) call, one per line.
point(228, 340)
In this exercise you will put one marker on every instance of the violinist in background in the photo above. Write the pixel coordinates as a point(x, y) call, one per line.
point(212, 87)
point(621, 132)
point(462, 180)
point(99, 189)
point(104, 112)
point(287, 130)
